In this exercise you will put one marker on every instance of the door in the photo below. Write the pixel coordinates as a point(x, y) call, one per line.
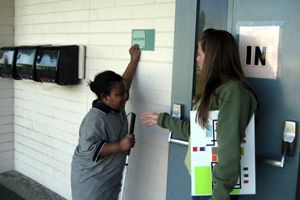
point(279, 98)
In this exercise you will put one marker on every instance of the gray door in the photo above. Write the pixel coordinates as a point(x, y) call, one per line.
point(279, 98)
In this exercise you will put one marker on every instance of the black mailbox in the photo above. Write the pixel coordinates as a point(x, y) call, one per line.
point(7, 62)
point(25, 62)
point(58, 64)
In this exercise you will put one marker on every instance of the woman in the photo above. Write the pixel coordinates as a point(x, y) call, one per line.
point(224, 88)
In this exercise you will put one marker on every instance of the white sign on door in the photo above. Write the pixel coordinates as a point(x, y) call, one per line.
point(258, 46)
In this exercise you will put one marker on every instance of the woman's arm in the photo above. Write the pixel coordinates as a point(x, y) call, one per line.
point(180, 127)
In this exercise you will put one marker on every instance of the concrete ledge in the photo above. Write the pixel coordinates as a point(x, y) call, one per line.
point(26, 187)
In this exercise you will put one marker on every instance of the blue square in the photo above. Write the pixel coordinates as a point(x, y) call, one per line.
point(209, 131)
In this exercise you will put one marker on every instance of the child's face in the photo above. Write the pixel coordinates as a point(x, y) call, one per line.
point(118, 97)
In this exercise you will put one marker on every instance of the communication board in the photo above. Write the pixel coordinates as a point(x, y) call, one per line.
point(204, 156)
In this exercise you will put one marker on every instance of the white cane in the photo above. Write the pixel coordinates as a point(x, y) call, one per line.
point(131, 129)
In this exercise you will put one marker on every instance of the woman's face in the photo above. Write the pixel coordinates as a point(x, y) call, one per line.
point(200, 56)
point(117, 98)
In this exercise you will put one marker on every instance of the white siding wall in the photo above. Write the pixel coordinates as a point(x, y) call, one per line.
point(6, 91)
point(47, 116)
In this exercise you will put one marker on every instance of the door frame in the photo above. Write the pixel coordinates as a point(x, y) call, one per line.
point(182, 81)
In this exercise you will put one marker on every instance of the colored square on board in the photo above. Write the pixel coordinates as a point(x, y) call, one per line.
point(246, 181)
point(202, 148)
point(203, 180)
point(244, 141)
point(215, 124)
point(214, 158)
point(245, 168)
point(214, 150)
point(195, 149)
point(243, 151)
point(235, 192)
point(246, 175)
point(209, 130)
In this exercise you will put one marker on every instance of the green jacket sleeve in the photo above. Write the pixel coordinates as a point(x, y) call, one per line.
point(236, 107)
point(180, 127)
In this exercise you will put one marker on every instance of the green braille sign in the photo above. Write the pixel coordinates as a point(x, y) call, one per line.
point(144, 38)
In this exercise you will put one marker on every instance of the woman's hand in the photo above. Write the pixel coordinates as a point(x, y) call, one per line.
point(127, 142)
point(135, 54)
point(152, 118)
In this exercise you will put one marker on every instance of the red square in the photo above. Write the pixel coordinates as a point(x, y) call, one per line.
point(246, 181)
point(244, 141)
point(195, 149)
point(214, 158)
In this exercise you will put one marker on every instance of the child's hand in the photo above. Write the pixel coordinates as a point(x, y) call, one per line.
point(135, 54)
point(152, 118)
point(127, 142)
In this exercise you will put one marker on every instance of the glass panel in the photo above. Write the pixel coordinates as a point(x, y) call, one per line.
point(6, 57)
point(47, 59)
point(208, 19)
point(25, 57)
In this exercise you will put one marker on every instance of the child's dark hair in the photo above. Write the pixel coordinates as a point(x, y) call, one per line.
point(104, 82)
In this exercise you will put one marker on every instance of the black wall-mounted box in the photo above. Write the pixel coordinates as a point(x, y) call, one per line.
point(7, 62)
point(60, 64)
point(64, 65)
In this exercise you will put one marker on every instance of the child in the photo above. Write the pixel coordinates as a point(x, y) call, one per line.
point(224, 88)
point(99, 157)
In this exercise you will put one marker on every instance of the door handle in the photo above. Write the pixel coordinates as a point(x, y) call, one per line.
point(288, 145)
point(177, 111)
point(177, 141)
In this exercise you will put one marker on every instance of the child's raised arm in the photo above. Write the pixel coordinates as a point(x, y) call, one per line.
point(135, 54)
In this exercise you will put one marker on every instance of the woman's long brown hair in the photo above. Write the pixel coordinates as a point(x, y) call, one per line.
point(221, 64)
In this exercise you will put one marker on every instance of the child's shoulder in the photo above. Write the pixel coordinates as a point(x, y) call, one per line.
point(94, 115)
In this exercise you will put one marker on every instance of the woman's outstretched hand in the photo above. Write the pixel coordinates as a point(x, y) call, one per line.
point(151, 118)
